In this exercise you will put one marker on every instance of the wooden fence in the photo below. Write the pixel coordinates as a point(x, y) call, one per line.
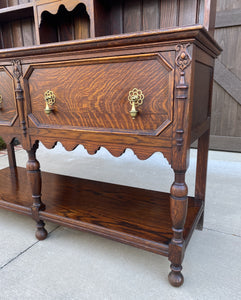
point(226, 109)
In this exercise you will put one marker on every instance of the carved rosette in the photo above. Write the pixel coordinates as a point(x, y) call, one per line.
point(17, 69)
point(18, 73)
point(183, 60)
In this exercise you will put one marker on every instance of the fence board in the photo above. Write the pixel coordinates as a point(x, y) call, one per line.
point(228, 81)
point(226, 108)
point(228, 18)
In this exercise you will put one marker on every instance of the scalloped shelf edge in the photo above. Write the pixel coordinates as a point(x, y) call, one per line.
point(92, 148)
point(55, 10)
point(114, 150)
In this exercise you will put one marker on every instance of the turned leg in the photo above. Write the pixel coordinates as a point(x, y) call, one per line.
point(34, 176)
point(178, 207)
point(201, 172)
point(11, 155)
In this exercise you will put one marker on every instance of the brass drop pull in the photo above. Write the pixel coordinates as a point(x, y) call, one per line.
point(49, 97)
point(1, 101)
point(135, 98)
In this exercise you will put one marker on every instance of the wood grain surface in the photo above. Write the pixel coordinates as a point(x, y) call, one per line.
point(91, 80)
point(150, 15)
point(8, 113)
point(202, 94)
point(94, 94)
point(119, 212)
point(17, 33)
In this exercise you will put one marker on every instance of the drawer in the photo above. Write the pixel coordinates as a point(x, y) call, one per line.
point(94, 94)
point(8, 110)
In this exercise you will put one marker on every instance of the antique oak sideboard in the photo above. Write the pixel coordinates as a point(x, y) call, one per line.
point(117, 74)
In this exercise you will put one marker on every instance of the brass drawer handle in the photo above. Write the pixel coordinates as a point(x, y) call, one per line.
point(49, 97)
point(1, 101)
point(135, 98)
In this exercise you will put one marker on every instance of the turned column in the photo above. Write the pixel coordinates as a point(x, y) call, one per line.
point(180, 158)
point(178, 205)
point(34, 176)
point(11, 155)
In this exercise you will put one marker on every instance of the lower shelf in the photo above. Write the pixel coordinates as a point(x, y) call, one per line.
point(133, 216)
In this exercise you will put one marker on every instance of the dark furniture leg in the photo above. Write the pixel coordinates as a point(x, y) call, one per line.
point(201, 171)
point(11, 155)
point(34, 176)
point(178, 206)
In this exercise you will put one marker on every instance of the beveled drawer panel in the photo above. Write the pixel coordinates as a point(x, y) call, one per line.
point(8, 110)
point(93, 94)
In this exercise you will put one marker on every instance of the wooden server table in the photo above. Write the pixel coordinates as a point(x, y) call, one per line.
point(148, 91)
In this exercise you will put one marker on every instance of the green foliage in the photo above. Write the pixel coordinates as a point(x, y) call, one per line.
point(2, 144)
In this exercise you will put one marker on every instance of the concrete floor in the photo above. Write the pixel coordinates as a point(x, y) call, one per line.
point(75, 265)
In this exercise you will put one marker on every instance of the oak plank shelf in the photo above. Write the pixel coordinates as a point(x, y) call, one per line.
point(115, 74)
point(133, 216)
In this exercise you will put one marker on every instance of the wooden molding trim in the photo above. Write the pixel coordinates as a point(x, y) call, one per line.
point(228, 81)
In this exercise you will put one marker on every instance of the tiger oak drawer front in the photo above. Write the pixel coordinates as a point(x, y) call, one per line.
point(94, 94)
point(8, 109)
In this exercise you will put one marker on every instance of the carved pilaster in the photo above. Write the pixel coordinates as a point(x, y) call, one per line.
point(18, 73)
point(183, 60)
point(179, 190)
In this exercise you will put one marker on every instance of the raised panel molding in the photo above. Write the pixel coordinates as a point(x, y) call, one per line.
point(88, 110)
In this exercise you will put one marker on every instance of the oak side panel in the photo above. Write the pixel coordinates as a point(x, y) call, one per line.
point(101, 18)
point(7, 35)
point(188, 12)
point(65, 25)
point(133, 16)
point(169, 13)
point(116, 17)
point(81, 26)
point(28, 29)
point(151, 14)
point(202, 93)
point(17, 34)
